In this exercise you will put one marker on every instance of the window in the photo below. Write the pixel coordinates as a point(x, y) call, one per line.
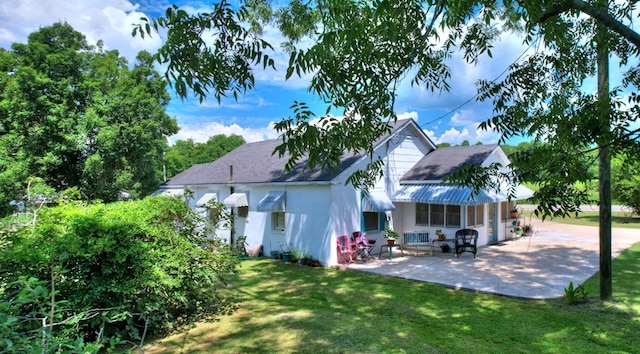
point(505, 209)
point(475, 215)
point(422, 214)
point(371, 220)
point(480, 215)
point(471, 215)
point(243, 211)
point(453, 215)
point(437, 215)
point(277, 221)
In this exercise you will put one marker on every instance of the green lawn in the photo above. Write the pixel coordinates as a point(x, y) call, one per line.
point(286, 308)
point(590, 218)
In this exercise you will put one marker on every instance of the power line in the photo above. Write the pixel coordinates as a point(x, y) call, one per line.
point(477, 94)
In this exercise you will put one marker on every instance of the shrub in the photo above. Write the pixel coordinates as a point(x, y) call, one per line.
point(147, 263)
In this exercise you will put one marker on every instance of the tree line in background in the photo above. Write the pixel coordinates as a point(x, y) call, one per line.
point(80, 117)
point(186, 153)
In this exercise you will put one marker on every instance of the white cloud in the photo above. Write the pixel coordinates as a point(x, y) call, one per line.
point(464, 125)
point(202, 133)
point(109, 20)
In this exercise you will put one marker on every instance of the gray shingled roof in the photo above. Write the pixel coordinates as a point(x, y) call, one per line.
point(444, 161)
point(255, 163)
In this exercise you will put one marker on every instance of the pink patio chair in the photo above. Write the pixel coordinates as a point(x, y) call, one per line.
point(364, 245)
point(346, 251)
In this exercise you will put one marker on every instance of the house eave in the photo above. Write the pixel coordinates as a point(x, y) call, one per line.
point(257, 184)
point(431, 181)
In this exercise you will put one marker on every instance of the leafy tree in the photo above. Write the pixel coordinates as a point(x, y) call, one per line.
point(78, 116)
point(465, 143)
point(186, 153)
point(362, 50)
point(626, 180)
point(124, 268)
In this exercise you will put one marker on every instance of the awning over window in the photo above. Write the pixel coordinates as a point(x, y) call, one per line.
point(453, 195)
point(377, 201)
point(441, 194)
point(236, 200)
point(206, 198)
point(273, 201)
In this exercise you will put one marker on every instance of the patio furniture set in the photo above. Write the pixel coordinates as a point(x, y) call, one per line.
point(360, 247)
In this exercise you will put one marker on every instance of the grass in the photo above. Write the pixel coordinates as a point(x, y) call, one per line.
point(285, 308)
point(590, 218)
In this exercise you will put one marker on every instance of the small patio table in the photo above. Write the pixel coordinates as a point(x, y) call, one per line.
point(390, 250)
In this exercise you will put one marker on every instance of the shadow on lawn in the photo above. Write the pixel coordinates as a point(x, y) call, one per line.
point(289, 308)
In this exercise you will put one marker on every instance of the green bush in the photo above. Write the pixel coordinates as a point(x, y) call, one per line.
point(26, 318)
point(142, 265)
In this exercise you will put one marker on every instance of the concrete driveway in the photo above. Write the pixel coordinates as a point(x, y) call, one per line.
point(535, 267)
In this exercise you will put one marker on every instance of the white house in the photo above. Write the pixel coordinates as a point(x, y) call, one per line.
point(308, 209)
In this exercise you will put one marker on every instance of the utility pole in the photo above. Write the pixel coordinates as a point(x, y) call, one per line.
point(232, 222)
point(604, 159)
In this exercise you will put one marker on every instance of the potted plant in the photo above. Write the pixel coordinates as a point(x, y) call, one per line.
point(391, 236)
point(287, 252)
point(441, 235)
point(296, 255)
point(514, 213)
point(306, 258)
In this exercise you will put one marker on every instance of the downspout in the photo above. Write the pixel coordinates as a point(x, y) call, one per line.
point(232, 225)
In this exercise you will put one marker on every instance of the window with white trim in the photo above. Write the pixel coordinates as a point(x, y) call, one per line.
point(453, 215)
point(278, 221)
point(436, 215)
point(471, 215)
point(475, 215)
point(422, 214)
point(505, 209)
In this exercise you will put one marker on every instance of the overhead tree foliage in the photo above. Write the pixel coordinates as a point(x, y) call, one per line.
point(78, 116)
point(363, 49)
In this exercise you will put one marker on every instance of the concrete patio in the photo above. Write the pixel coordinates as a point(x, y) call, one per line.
point(535, 267)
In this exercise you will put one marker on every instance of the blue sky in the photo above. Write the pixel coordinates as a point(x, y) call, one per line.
point(445, 117)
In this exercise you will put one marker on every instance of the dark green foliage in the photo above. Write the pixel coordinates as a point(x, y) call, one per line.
point(186, 153)
point(146, 262)
point(26, 316)
point(78, 116)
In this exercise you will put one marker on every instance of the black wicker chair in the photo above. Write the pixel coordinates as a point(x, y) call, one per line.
point(466, 241)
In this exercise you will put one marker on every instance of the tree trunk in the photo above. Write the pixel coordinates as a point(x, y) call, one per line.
point(604, 165)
